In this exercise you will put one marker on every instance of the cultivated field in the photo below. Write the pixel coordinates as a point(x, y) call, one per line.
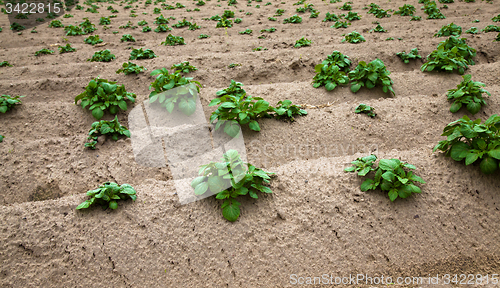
point(317, 220)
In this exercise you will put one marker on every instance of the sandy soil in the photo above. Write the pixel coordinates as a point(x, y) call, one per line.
point(316, 222)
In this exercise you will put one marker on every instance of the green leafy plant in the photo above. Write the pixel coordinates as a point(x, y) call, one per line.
point(142, 23)
point(498, 37)
point(496, 18)
point(127, 38)
point(87, 26)
point(451, 54)
point(68, 16)
point(107, 194)
point(43, 51)
point(102, 95)
point(449, 30)
point(416, 18)
point(162, 28)
point(240, 178)
point(279, 12)
point(406, 10)
point(467, 93)
point(228, 14)
point(137, 54)
point(491, 28)
point(330, 17)
point(260, 48)
point(66, 49)
point(93, 40)
point(247, 31)
point(130, 68)
point(338, 59)
point(340, 24)
point(286, 110)
point(233, 89)
point(378, 29)
point(272, 18)
point(473, 141)
point(146, 29)
point(232, 65)
point(129, 25)
point(5, 64)
point(224, 22)
point(238, 20)
point(73, 30)
point(167, 96)
point(472, 30)
point(183, 23)
point(346, 7)
point(330, 76)
point(368, 110)
point(102, 56)
point(391, 175)
point(354, 37)
point(407, 57)
point(269, 30)
point(430, 8)
point(293, 19)
point(1, 138)
point(173, 40)
point(302, 42)
point(104, 21)
point(351, 16)
point(56, 24)
point(193, 27)
point(8, 102)
point(371, 75)
point(183, 67)
point(202, 36)
point(17, 27)
point(362, 165)
point(110, 128)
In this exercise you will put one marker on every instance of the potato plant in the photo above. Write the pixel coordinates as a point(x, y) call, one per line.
point(102, 56)
point(293, 19)
point(451, 54)
point(241, 178)
point(406, 57)
point(449, 30)
point(162, 28)
point(130, 68)
point(473, 141)
point(406, 10)
point(110, 128)
point(107, 194)
point(127, 38)
point(93, 40)
point(102, 95)
point(286, 110)
point(353, 37)
point(371, 75)
point(137, 54)
point(391, 175)
point(43, 51)
point(366, 109)
point(468, 93)
point(66, 49)
point(5, 64)
point(184, 95)
point(72, 30)
point(172, 40)
point(8, 102)
point(183, 67)
point(302, 42)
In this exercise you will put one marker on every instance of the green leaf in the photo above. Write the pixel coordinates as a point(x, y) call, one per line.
point(489, 165)
point(84, 205)
point(231, 210)
point(367, 185)
point(254, 125)
point(216, 184)
point(350, 169)
point(455, 107)
point(393, 194)
point(389, 176)
point(388, 164)
point(260, 106)
point(355, 87)
point(459, 151)
point(97, 113)
point(113, 205)
point(471, 158)
point(197, 181)
point(232, 128)
point(170, 107)
point(187, 107)
point(201, 188)
point(495, 153)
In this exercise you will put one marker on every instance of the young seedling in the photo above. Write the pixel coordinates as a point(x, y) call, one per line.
point(406, 10)
point(104, 21)
point(371, 75)
point(346, 7)
point(183, 67)
point(43, 51)
point(1, 138)
point(66, 49)
point(430, 8)
point(473, 141)
point(416, 18)
point(330, 76)
point(351, 16)
point(390, 175)
point(193, 27)
point(102, 95)
point(269, 30)
point(162, 28)
point(107, 194)
point(109, 128)
point(472, 30)
point(73, 30)
point(146, 29)
point(330, 17)
point(56, 24)
point(241, 178)
point(247, 31)
point(362, 165)
point(340, 24)
point(130, 68)
point(491, 28)
point(407, 57)
point(102, 56)
point(468, 93)
point(183, 23)
point(8, 102)
point(203, 36)
point(496, 18)
point(232, 65)
point(93, 40)
point(354, 37)
point(173, 40)
point(142, 23)
point(293, 19)
point(87, 27)
point(5, 64)
point(159, 20)
point(378, 29)
point(285, 110)
point(168, 97)
point(137, 54)
point(224, 23)
point(272, 18)
point(449, 30)
point(17, 27)
point(302, 42)
point(127, 38)
point(233, 89)
point(368, 110)
point(260, 48)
